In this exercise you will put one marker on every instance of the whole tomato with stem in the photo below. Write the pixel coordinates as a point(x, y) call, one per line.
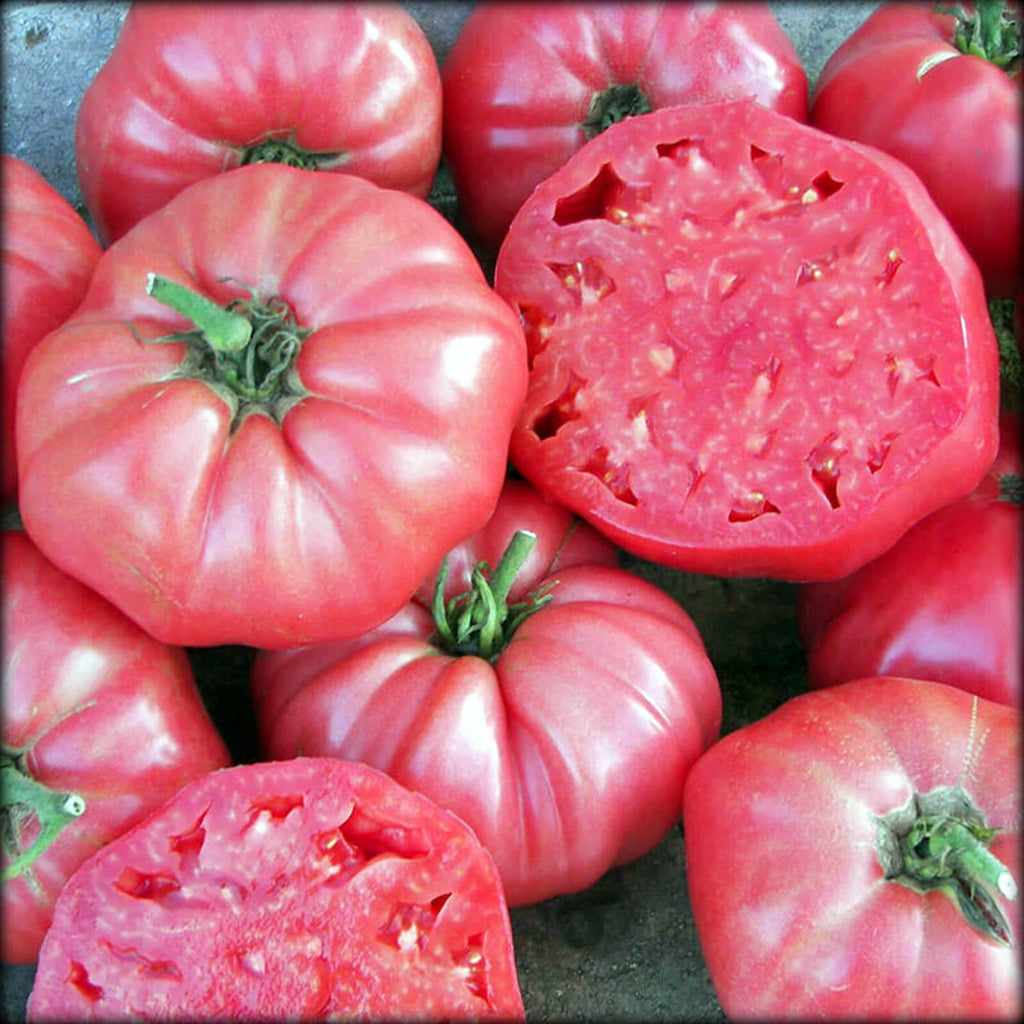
point(285, 396)
point(939, 87)
point(552, 700)
point(47, 256)
point(526, 84)
point(194, 89)
point(855, 855)
point(943, 603)
point(101, 725)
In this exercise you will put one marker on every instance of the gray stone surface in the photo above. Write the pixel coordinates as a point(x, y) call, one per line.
point(626, 949)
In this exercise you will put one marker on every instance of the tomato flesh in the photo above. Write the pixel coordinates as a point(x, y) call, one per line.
point(754, 349)
point(300, 889)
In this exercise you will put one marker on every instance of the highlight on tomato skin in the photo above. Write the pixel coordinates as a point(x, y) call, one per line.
point(309, 889)
point(755, 349)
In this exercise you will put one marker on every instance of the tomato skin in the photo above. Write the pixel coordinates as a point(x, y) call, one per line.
point(48, 257)
point(188, 87)
point(309, 889)
point(203, 518)
point(793, 912)
point(519, 80)
point(958, 125)
point(673, 279)
point(106, 712)
point(565, 755)
point(943, 603)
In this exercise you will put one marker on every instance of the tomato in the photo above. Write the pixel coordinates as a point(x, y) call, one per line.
point(101, 724)
point(943, 603)
point(302, 890)
point(48, 257)
point(852, 856)
point(941, 90)
point(296, 486)
point(525, 85)
point(755, 349)
point(191, 90)
point(558, 719)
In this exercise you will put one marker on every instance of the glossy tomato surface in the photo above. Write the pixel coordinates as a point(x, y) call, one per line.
point(47, 257)
point(191, 90)
point(755, 349)
point(565, 751)
point(302, 890)
point(526, 84)
point(902, 83)
point(93, 708)
point(943, 603)
point(788, 822)
point(267, 496)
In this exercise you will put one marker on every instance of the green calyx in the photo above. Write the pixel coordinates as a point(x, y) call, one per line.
point(614, 104)
point(940, 840)
point(1011, 489)
point(1002, 313)
point(246, 349)
point(284, 150)
point(480, 621)
point(25, 800)
point(990, 31)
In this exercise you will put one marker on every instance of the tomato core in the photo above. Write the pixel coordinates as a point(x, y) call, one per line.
point(613, 104)
point(244, 349)
point(940, 840)
point(480, 621)
point(284, 150)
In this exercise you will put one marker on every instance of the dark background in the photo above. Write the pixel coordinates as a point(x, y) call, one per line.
point(625, 949)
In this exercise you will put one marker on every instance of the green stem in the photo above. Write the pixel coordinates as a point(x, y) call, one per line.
point(480, 621)
point(246, 350)
point(223, 330)
point(940, 840)
point(12, 517)
point(939, 848)
point(509, 565)
point(991, 31)
point(614, 104)
point(275, 149)
point(1011, 489)
point(25, 797)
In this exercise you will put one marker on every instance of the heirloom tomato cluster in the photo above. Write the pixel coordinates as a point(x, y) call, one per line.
point(377, 439)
